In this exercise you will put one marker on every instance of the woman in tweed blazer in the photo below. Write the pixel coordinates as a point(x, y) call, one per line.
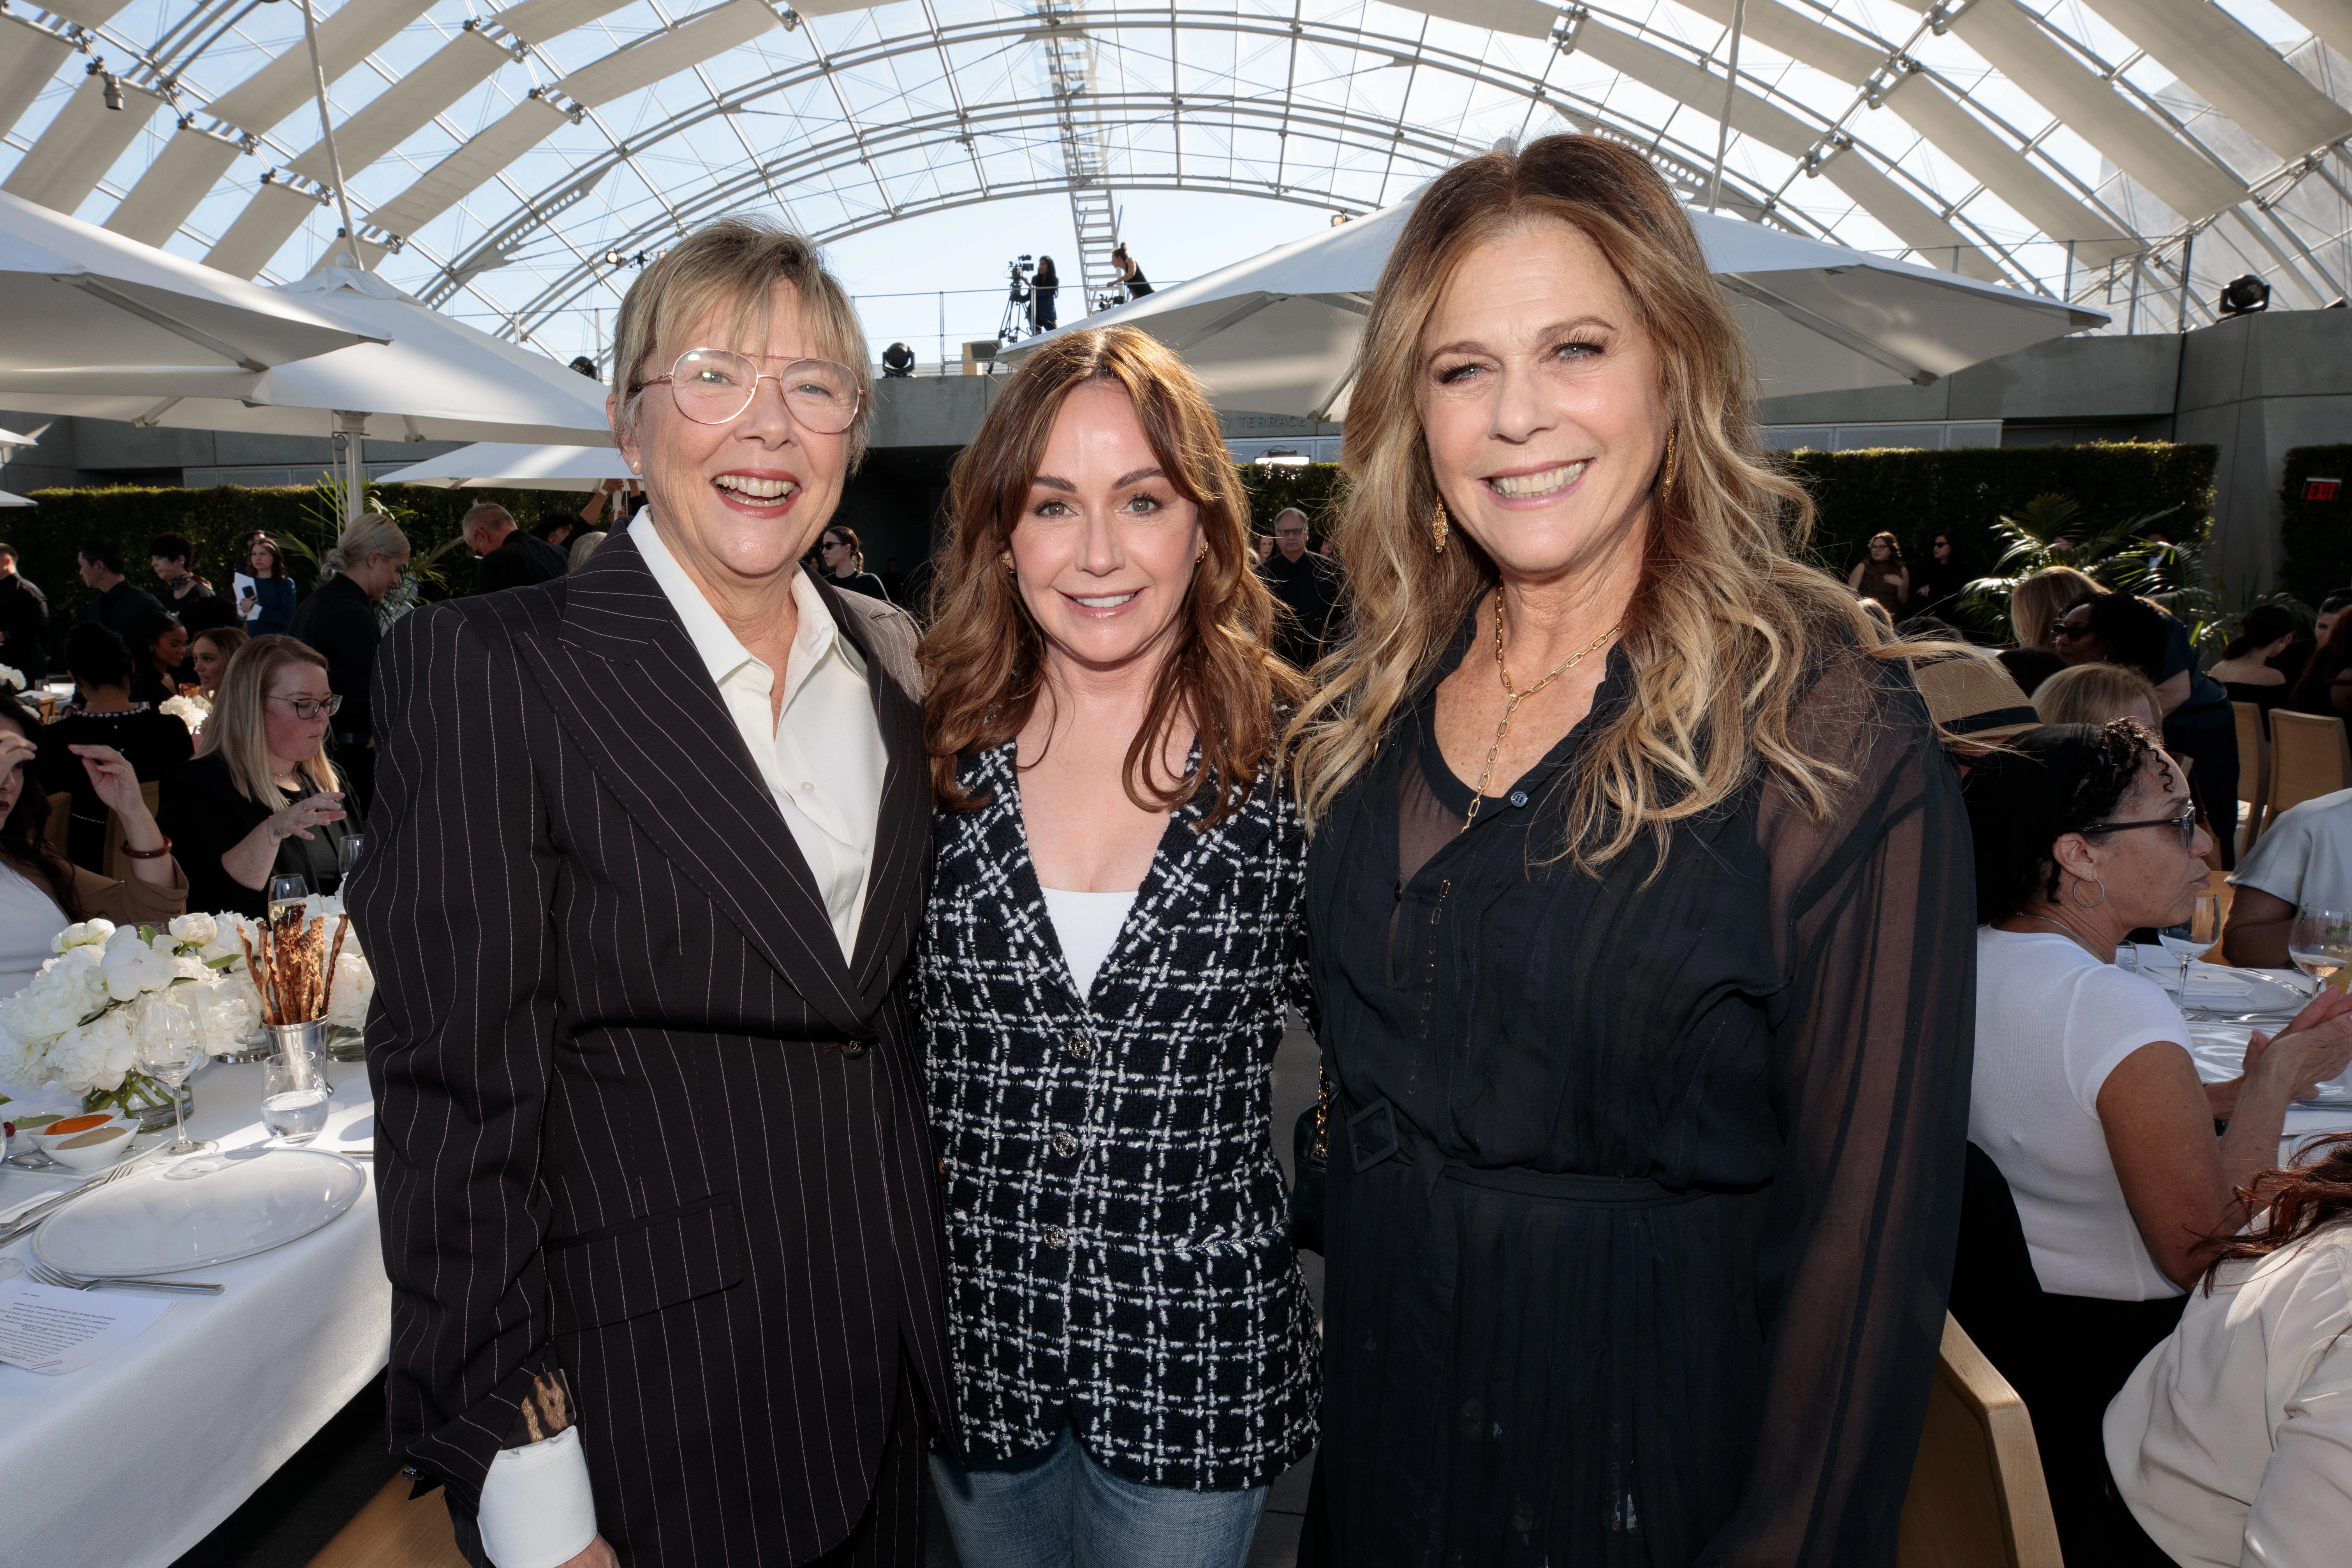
point(1112, 933)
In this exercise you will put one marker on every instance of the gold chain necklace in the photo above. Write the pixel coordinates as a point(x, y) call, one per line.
point(1517, 698)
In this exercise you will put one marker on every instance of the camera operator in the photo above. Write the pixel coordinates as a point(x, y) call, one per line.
point(1046, 289)
point(1130, 274)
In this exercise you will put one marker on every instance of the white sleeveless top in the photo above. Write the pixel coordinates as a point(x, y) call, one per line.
point(1086, 925)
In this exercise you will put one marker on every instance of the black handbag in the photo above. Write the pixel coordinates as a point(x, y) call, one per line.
point(1310, 1151)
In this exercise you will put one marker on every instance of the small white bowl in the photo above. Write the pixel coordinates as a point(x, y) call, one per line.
point(47, 1142)
point(91, 1156)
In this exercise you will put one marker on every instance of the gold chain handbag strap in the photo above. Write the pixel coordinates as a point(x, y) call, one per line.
point(1322, 1114)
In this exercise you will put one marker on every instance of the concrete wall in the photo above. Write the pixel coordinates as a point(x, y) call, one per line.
point(2253, 388)
point(76, 452)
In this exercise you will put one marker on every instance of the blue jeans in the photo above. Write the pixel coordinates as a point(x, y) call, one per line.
point(1062, 1510)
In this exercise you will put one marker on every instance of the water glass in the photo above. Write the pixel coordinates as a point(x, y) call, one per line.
point(2320, 943)
point(294, 1095)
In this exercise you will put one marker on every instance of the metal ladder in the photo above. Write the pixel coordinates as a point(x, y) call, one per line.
point(1069, 66)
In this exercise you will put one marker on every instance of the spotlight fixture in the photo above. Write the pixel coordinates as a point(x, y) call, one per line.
point(2244, 296)
point(1338, 218)
point(613, 258)
point(113, 92)
point(897, 360)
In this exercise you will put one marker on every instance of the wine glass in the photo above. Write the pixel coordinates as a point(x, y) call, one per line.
point(2320, 942)
point(169, 1053)
point(294, 1095)
point(2198, 934)
point(346, 854)
point(288, 893)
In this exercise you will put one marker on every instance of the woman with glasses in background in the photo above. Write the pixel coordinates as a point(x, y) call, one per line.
point(845, 564)
point(2084, 1097)
point(260, 799)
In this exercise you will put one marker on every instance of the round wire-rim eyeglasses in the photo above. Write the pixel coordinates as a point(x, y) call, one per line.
point(714, 386)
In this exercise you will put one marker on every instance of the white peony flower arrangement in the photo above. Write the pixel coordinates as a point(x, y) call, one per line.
point(78, 1025)
point(190, 710)
point(12, 676)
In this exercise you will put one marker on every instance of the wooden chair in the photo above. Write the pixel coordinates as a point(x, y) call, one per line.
point(1977, 1497)
point(2254, 748)
point(118, 864)
point(395, 1530)
point(61, 818)
point(2309, 757)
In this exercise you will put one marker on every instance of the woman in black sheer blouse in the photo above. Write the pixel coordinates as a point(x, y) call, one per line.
point(1642, 919)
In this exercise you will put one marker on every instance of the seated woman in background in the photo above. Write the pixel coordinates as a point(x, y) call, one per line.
point(2119, 628)
point(2097, 693)
point(2083, 1094)
point(2232, 1443)
point(158, 647)
point(2326, 687)
point(103, 715)
point(262, 799)
point(2245, 669)
point(210, 653)
point(1880, 578)
point(40, 892)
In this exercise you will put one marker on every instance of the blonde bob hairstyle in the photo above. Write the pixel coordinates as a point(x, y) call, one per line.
point(984, 655)
point(2094, 694)
point(1725, 628)
point(235, 728)
point(370, 534)
point(2039, 598)
point(734, 264)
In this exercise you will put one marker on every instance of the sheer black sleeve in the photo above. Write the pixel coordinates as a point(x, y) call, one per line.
point(1874, 910)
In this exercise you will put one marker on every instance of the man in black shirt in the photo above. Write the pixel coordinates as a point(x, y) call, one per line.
point(185, 595)
point(510, 557)
point(119, 604)
point(1307, 586)
point(24, 619)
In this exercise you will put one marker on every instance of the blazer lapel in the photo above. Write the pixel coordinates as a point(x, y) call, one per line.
point(626, 684)
point(900, 875)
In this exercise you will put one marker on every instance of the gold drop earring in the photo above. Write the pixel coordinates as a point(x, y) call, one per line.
point(1666, 475)
point(1437, 528)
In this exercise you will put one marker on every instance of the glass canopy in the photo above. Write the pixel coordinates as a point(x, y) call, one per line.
point(516, 164)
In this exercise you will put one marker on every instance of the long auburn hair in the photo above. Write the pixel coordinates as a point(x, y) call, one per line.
point(235, 728)
point(984, 655)
point(2293, 1203)
point(24, 835)
point(1725, 625)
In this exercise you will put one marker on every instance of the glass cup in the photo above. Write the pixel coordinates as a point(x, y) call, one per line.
point(2197, 935)
point(169, 1053)
point(2320, 943)
point(294, 1095)
point(288, 892)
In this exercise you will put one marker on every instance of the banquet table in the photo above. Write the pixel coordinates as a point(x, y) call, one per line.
point(2304, 1121)
point(131, 1460)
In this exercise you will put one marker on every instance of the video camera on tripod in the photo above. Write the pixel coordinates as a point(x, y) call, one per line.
point(1020, 318)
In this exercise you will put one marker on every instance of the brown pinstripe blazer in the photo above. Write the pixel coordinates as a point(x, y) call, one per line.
point(635, 1117)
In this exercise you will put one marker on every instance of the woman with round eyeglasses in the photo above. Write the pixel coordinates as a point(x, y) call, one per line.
point(845, 564)
point(260, 799)
point(2083, 1095)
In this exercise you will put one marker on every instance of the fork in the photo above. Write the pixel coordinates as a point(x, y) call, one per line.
point(32, 1217)
point(48, 1276)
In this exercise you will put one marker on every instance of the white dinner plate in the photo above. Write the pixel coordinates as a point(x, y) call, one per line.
point(194, 1212)
point(2220, 1050)
point(2218, 988)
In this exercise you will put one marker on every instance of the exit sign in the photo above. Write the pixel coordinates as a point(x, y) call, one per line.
point(2322, 489)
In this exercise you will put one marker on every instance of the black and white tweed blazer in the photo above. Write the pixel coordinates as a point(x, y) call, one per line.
point(1116, 1222)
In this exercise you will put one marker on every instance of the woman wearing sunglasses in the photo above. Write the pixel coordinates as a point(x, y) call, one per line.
point(2084, 1096)
point(260, 799)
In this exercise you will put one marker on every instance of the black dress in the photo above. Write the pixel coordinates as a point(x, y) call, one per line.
point(206, 816)
point(1642, 1193)
point(153, 743)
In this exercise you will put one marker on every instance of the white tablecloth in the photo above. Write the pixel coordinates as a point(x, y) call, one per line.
point(133, 1459)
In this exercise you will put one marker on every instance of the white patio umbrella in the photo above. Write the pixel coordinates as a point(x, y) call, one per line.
point(429, 378)
point(1277, 333)
point(10, 437)
point(73, 296)
point(507, 466)
point(9, 498)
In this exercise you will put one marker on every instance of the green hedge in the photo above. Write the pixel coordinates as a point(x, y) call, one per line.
point(1308, 487)
point(49, 536)
point(1915, 495)
point(2316, 535)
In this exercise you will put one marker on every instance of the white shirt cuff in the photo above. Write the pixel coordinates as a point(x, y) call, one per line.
point(537, 1509)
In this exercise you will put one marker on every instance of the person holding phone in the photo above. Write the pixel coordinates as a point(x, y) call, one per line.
point(265, 592)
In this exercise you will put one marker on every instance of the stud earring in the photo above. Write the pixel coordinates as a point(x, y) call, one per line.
point(1006, 557)
point(1437, 528)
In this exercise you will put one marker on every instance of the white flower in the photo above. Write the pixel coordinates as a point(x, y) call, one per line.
point(131, 967)
point(190, 710)
point(83, 933)
point(13, 676)
point(197, 930)
point(354, 989)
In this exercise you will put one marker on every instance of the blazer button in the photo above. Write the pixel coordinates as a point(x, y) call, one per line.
point(1056, 1236)
point(853, 1049)
point(1065, 1145)
point(1079, 1046)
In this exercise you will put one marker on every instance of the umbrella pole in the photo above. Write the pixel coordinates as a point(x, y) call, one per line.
point(1722, 129)
point(350, 473)
point(327, 130)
